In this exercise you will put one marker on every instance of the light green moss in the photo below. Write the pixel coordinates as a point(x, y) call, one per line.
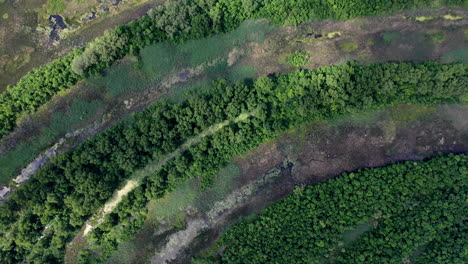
point(452, 17)
point(333, 34)
point(423, 18)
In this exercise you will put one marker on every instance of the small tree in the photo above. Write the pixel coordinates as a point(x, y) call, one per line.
point(104, 49)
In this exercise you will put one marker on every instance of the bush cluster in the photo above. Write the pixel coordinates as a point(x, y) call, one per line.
point(298, 58)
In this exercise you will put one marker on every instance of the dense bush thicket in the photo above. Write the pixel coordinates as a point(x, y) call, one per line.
point(176, 21)
point(449, 246)
point(410, 204)
point(64, 193)
point(35, 89)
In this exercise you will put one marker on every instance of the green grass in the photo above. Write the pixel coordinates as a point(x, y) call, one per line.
point(465, 32)
point(120, 80)
point(388, 120)
point(175, 202)
point(217, 70)
point(222, 185)
point(347, 237)
point(179, 93)
point(80, 110)
point(240, 73)
point(351, 235)
point(406, 113)
point(460, 55)
point(362, 118)
point(14, 160)
point(436, 38)
point(55, 6)
point(163, 60)
point(159, 59)
point(61, 122)
point(349, 46)
point(388, 37)
point(179, 221)
point(189, 194)
point(196, 51)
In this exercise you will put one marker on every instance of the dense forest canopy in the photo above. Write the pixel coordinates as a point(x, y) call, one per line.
point(64, 193)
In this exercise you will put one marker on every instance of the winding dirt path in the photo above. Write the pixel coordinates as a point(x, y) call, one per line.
point(152, 167)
